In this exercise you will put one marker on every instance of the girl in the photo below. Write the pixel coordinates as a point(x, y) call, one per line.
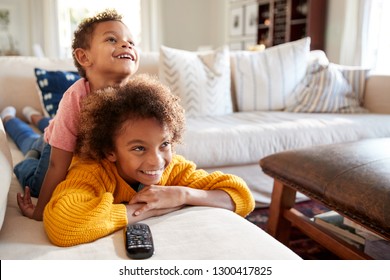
point(125, 169)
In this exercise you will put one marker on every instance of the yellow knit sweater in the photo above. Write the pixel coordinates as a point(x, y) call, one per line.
point(87, 205)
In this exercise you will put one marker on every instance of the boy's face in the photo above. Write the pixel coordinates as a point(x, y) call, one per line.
point(143, 151)
point(112, 54)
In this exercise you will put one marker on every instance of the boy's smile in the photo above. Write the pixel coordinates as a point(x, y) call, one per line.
point(112, 55)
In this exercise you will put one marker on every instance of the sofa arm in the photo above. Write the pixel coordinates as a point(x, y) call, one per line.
point(6, 172)
point(377, 94)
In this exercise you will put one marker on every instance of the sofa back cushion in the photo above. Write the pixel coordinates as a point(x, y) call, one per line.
point(19, 84)
point(263, 80)
point(18, 81)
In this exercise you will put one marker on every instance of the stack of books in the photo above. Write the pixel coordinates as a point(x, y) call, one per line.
point(355, 234)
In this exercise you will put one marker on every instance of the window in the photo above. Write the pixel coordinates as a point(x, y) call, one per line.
point(378, 39)
point(71, 12)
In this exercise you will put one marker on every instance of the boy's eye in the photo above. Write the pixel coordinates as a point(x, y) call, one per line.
point(165, 144)
point(111, 39)
point(132, 43)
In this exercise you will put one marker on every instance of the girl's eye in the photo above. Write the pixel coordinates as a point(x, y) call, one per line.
point(111, 39)
point(140, 148)
point(132, 43)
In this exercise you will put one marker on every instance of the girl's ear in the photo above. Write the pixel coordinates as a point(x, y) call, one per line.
point(82, 57)
point(111, 156)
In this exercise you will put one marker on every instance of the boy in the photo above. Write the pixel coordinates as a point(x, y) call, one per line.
point(125, 169)
point(104, 53)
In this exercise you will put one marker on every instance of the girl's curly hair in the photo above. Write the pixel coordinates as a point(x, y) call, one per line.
point(103, 113)
point(83, 34)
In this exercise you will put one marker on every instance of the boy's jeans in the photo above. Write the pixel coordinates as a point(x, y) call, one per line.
point(30, 171)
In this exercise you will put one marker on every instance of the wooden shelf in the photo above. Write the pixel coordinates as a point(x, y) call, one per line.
point(282, 21)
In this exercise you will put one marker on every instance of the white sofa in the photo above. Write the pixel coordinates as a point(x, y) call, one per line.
point(192, 233)
point(233, 143)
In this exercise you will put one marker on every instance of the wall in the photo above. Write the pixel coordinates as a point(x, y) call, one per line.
point(184, 24)
point(337, 10)
point(189, 24)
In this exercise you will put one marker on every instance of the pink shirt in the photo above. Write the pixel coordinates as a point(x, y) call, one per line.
point(63, 128)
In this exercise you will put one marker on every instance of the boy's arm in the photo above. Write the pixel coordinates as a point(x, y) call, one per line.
point(56, 172)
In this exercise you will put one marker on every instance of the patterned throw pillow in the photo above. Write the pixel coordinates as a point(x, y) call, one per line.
point(53, 85)
point(356, 77)
point(324, 90)
point(264, 80)
point(200, 79)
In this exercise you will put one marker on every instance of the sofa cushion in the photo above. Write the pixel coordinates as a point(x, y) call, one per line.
point(53, 85)
point(245, 137)
point(263, 80)
point(324, 90)
point(200, 79)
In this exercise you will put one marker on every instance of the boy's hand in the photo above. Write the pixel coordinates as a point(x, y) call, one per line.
point(158, 197)
point(25, 203)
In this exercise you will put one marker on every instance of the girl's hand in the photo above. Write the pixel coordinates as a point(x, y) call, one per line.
point(132, 208)
point(159, 197)
point(25, 203)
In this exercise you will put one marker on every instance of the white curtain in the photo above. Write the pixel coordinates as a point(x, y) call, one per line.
point(365, 36)
point(355, 32)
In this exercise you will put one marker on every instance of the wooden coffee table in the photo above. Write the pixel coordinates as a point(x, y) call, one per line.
point(351, 178)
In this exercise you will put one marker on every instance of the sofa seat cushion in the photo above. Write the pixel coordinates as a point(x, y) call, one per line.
point(246, 137)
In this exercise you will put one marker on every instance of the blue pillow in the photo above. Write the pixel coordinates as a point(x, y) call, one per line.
point(53, 85)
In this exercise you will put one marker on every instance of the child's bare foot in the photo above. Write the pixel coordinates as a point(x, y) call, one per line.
point(32, 115)
point(8, 113)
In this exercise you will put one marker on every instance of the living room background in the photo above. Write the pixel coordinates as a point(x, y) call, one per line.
point(197, 24)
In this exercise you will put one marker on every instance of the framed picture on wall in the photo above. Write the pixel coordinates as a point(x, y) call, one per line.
point(237, 21)
point(251, 19)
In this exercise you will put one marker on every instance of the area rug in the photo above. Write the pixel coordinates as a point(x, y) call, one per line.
point(301, 244)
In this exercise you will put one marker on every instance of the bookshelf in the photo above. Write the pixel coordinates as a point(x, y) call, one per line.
point(281, 21)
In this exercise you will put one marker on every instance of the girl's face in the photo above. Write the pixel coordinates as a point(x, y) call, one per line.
point(142, 151)
point(112, 54)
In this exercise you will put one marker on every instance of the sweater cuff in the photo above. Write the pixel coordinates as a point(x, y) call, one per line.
point(119, 215)
point(243, 205)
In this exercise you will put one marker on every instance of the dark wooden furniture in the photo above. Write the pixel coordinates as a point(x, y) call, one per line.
point(351, 178)
point(283, 21)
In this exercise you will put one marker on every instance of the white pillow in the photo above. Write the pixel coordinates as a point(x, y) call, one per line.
point(200, 79)
point(324, 90)
point(264, 80)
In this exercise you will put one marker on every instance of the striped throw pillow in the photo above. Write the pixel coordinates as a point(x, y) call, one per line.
point(264, 80)
point(324, 90)
point(356, 77)
point(200, 79)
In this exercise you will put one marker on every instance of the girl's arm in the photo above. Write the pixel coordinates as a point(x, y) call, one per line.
point(56, 172)
point(158, 197)
point(183, 184)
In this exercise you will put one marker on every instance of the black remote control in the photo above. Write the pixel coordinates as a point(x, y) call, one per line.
point(138, 241)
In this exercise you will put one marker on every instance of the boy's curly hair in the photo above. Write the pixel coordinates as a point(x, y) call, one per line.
point(83, 34)
point(104, 112)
